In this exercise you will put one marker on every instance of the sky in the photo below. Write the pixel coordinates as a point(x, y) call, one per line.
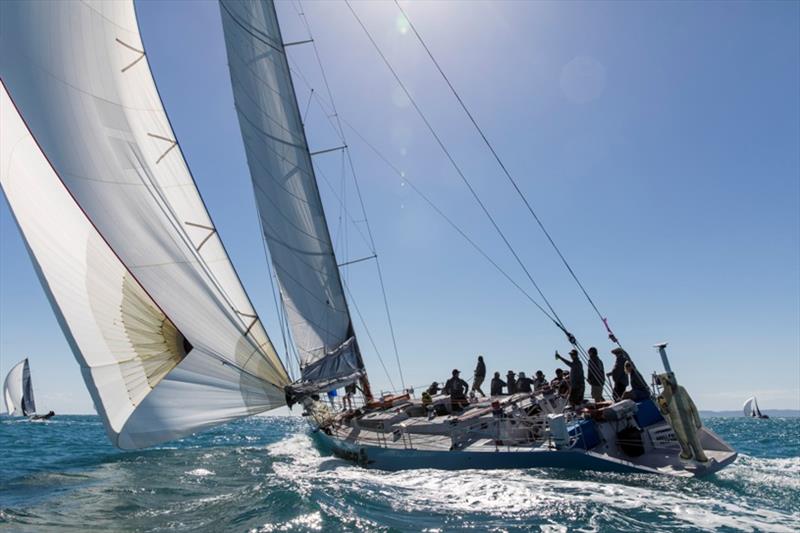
point(658, 142)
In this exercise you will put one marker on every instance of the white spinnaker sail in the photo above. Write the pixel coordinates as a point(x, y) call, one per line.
point(288, 200)
point(747, 408)
point(166, 337)
point(12, 389)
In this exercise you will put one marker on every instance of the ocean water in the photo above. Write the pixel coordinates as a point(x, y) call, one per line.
point(265, 475)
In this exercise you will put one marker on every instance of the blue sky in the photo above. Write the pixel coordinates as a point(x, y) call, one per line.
point(659, 142)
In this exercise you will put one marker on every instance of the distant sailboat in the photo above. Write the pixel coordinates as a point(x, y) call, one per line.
point(751, 409)
point(18, 392)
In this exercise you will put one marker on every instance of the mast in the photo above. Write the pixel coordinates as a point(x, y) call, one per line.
point(291, 213)
point(129, 258)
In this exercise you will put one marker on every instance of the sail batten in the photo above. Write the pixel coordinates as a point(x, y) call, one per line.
point(168, 341)
point(291, 211)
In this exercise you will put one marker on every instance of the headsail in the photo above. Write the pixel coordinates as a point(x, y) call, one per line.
point(289, 204)
point(154, 312)
point(18, 390)
point(747, 408)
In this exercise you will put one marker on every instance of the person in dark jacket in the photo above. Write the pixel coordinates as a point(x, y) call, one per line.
point(618, 373)
point(576, 385)
point(433, 390)
point(597, 375)
point(511, 382)
point(480, 375)
point(497, 385)
point(539, 381)
point(639, 389)
point(457, 389)
point(524, 383)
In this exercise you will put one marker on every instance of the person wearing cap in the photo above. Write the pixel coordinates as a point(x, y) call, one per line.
point(511, 380)
point(457, 389)
point(497, 385)
point(433, 390)
point(576, 385)
point(524, 383)
point(618, 373)
point(480, 375)
point(597, 375)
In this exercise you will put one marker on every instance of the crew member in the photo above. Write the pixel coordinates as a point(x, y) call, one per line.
point(511, 380)
point(457, 389)
point(524, 383)
point(480, 375)
point(539, 381)
point(576, 385)
point(497, 385)
point(618, 373)
point(597, 375)
point(639, 389)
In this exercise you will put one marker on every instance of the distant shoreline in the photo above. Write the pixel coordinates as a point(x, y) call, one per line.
point(774, 413)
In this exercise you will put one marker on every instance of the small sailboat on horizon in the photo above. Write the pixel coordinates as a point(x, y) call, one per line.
point(18, 393)
point(751, 410)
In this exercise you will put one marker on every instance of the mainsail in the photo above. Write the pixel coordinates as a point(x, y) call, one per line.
point(135, 271)
point(18, 390)
point(292, 217)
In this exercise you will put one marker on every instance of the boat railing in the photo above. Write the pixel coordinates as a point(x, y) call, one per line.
point(499, 431)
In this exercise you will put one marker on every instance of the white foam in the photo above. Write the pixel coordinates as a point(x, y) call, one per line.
point(599, 498)
point(199, 472)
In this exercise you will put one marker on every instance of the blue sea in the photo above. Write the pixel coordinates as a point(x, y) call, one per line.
point(265, 474)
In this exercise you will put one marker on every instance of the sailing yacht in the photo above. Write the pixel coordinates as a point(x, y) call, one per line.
point(168, 341)
point(18, 392)
point(751, 409)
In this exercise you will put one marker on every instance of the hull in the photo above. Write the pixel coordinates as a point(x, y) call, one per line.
point(393, 459)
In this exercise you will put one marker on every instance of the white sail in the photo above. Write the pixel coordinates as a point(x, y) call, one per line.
point(288, 200)
point(154, 312)
point(756, 410)
point(18, 390)
point(747, 408)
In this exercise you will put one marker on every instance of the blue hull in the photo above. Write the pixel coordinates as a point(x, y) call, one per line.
point(401, 459)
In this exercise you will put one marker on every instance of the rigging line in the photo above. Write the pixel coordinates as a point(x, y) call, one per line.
point(427, 200)
point(275, 297)
point(369, 334)
point(358, 193)
point(452, 224)
point(377, 267)
point(558, 321)
point(436, 209)
point(504, 169)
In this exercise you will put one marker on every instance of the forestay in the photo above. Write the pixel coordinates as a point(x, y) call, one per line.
point(287, 196)
point(18, 390)
point(167, 339)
